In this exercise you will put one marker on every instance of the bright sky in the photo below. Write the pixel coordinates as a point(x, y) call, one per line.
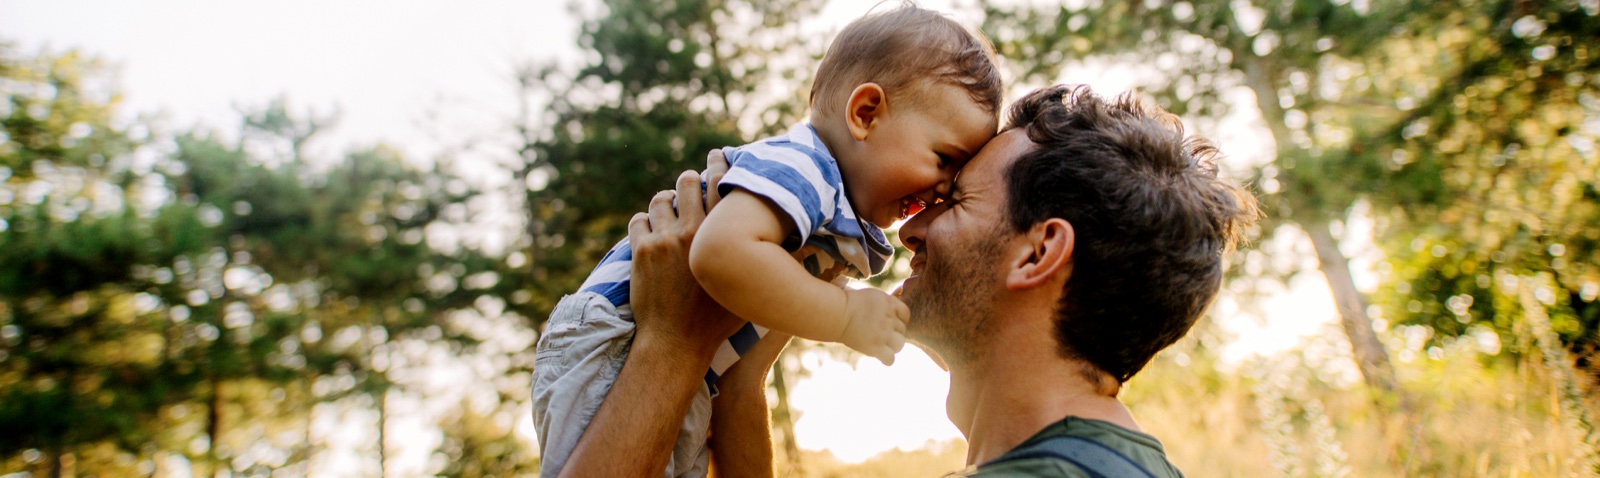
point(387, 64)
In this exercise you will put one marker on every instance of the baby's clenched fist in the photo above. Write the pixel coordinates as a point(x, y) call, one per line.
point(877, 323)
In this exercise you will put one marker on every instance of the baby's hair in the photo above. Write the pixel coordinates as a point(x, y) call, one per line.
point(900, 47)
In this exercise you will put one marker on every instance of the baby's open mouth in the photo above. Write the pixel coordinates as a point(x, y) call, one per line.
point(911, 205)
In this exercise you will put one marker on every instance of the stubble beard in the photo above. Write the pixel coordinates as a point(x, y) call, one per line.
point(951, 307)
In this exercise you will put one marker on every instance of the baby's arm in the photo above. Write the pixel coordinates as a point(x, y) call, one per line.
point(737, 256)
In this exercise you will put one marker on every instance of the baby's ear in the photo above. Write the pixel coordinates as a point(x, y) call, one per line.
point(867, 105)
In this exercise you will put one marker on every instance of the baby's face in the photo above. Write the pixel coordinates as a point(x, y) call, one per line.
point(912, 158)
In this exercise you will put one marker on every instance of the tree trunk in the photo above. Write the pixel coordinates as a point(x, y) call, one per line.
point(59, 454)
point(1369, 353)
point(309, 448)
point(214, 425)
point(55, 463)
point(383, 436)
point(717, 61)
point(783, 417)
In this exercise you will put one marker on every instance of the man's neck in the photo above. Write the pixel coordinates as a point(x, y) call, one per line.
point(1010, 393)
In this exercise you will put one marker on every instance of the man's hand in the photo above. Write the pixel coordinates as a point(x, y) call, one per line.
point(678, 331)
point(716, 167)
point(671, 304)
point(877, 323)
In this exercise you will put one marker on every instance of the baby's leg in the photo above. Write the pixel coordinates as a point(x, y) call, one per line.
point(582, 349)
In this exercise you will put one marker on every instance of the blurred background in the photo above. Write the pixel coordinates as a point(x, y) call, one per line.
point(319, 238)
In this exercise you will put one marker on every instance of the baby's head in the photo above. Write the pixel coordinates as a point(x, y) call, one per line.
point(902, 99)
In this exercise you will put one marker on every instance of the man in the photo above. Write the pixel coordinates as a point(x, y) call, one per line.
point(1078, 243)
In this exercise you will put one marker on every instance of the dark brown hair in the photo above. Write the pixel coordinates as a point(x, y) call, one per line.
point(1151, 220)
point(899, 47)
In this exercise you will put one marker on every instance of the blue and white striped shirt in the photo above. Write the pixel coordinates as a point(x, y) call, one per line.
point(796, 172)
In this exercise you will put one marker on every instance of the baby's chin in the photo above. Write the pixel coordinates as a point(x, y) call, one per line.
point(886, 221)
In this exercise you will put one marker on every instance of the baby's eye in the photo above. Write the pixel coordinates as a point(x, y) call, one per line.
point(944, 161)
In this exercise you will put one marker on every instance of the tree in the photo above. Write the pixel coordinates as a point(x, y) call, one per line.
point(1514, 133)
point(1512, 254)
point(180, 295)
point(78, 366)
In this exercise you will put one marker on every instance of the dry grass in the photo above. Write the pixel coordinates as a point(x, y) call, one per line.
point(936, 459)
point(1476, 416)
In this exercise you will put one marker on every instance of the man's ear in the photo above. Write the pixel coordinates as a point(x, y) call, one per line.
point(1046, 254)
point(867, 105)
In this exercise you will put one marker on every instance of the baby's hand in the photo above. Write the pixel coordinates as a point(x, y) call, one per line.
point(877, 324)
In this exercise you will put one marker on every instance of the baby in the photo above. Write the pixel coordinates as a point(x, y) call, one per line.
point(902, 99)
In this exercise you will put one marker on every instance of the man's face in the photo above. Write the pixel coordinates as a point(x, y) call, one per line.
point(956, 270)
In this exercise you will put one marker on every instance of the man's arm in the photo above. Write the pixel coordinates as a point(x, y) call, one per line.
point(679, 330)
point(741, 432)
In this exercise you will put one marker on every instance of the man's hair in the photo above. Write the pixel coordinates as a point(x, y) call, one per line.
point(899, 48)
point(1151, 219)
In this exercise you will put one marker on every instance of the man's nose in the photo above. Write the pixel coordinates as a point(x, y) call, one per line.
point(912, 233)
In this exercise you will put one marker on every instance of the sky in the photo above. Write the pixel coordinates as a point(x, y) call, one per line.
point(421, 76)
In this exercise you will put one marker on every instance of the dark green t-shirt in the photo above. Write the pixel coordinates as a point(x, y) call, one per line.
point(1141, 448)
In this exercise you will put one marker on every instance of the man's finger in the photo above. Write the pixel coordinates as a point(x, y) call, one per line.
point(690, 206)
point(716, 167)
point(638, 227)
point(661, 212)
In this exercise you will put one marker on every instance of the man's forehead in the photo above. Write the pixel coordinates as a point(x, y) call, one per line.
point(996, 157)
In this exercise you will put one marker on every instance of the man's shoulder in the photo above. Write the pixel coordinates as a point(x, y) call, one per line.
point(1138, 448)
point(1031, 467)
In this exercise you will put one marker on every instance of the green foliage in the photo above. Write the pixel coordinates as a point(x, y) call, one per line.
point(1512, 137)
point(57, 110)
point(467, 457)
point(144, 276)
point(1320, 72)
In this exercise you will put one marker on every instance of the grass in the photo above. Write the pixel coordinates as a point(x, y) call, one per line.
point(1300, 415)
